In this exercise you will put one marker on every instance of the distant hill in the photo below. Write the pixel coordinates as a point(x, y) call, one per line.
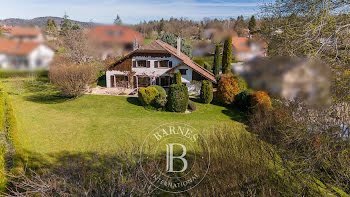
point(40, 22)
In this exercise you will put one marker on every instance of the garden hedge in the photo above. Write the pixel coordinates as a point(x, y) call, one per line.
point(10, 147)
point(177, 98)
point(241, 83)
point(206, 94)
point(243, 100)
point(227, 90)
point(160, 100)
point(147, 95)
point(261, 99)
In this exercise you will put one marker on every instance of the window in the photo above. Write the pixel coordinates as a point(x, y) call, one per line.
point(142, 63)
point(183, 71)
point(163, 81)
point(164, 64)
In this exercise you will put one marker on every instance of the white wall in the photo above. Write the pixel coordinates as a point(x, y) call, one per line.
point(3, 61)
point(154, 72)
point(41, 57)
point(185, 78)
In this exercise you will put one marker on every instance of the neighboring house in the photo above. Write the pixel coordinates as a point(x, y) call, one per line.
point(112, 40)
point(245, 49)
point(27, 55)
point(289, 78)
point(154, 64)
point(25, 34)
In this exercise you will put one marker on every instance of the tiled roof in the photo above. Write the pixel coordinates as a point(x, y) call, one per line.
point(115, 34)
point(187, 61)
point(17, 47)
point(24, 31)
point(241, 44)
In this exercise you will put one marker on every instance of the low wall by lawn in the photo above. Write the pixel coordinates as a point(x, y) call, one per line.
point(11, 151)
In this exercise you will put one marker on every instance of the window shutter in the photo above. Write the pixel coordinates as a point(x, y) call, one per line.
point(156, 64)
point(134, 64)
point(170, 64)
point(148, 64)
point(157, 81)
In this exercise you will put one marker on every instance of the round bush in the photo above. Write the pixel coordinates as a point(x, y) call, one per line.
point(147, 95)
point(206, 94)
point(241, 83)
point(160, 100)
point(177, 98)
point(261, 99)
point(227, 89)
point(242, 100)
point(192, 106)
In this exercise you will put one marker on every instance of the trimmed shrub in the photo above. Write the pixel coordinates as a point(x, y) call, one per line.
point(72, 80)
point(206, 95)
point(192, 106)
point(147, 95)
point(160, 100)
point(177, 78)
point(177, 98)
point(241, 83)
point(261, 99)
point(227, 90)
point(242, 100)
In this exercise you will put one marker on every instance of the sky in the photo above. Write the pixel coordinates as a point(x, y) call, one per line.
point(130, 11)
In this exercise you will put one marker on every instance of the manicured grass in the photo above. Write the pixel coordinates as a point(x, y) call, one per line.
point(50, 124)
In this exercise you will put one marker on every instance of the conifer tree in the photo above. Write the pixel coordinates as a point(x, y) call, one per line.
point(216, 64)
point(227, 56)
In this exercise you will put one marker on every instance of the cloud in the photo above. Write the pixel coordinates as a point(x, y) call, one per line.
point(104, 11)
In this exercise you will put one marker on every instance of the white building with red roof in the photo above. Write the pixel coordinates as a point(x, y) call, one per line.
point(24, 33)
point(114, 40)
point(245, 49)
point(27, 55)
point(154, 64)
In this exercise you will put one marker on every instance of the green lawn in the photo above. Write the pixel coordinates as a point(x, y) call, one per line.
point(51, 124)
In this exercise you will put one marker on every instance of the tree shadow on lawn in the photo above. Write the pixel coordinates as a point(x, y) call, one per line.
point(134, 101)
point(41, 92)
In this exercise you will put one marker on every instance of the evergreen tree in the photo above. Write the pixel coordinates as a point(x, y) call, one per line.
point(227, 56)
point(76, 26)
point(216, 64)
point(252, 23)
point(177, 78)
point(161, 25)
point(171, 39)
point(66, 24)
point(117, 20)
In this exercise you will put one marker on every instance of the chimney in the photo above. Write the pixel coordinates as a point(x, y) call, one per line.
point(178, 46)
point(136, 44)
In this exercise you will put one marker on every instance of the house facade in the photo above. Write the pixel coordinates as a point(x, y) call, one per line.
point(114, 40)
point(245, 49)
point(22, 55)
point(24, 34)
point(154, 64)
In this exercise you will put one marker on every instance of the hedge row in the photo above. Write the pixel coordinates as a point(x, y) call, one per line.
point(23, 73)
point(11, 151)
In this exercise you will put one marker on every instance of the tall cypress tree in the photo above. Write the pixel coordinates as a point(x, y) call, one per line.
point(227, 56)
point(216, 64)
point(252, 23)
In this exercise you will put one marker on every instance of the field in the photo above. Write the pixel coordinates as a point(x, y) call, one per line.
point(50, 124)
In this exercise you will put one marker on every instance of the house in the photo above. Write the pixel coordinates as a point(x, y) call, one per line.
point(245, 49)
point(25, 34)
point(290, 78)
point(154, 64)
point(27, 55)
point(113, 40)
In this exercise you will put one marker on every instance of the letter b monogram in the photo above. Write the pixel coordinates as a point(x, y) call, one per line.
point(170, 157)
